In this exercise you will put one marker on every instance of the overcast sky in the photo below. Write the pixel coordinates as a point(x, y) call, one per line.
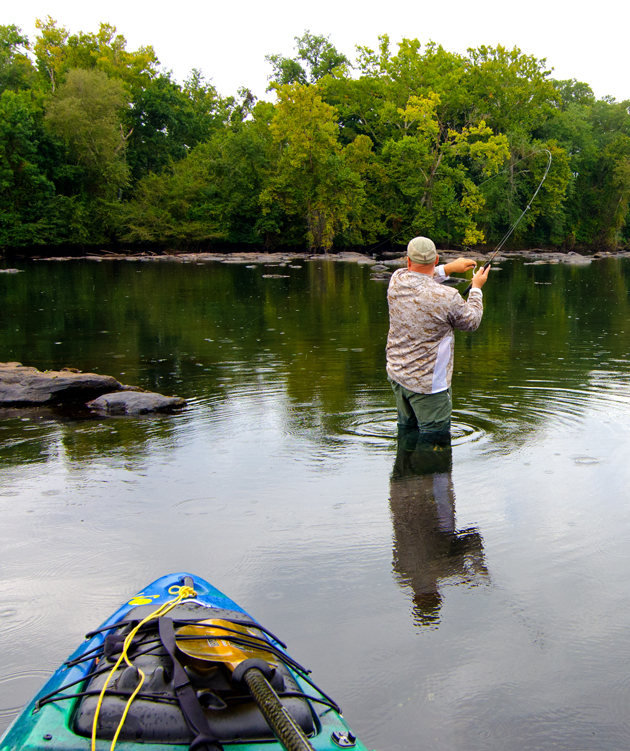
point(228, 41)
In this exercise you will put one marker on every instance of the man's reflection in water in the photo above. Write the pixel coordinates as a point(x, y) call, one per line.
point(428, 549)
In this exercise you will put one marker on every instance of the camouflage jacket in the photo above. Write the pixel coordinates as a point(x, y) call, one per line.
point(422, 316)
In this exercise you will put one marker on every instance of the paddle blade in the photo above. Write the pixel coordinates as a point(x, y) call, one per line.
point(223, 642)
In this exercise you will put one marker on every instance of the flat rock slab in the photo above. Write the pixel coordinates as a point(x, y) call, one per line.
point(25, 386)
point(254, 257)
point(135, 403)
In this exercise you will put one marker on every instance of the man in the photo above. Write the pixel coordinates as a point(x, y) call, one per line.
point(422, 316)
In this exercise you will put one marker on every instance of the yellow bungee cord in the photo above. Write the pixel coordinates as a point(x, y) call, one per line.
point(182, 593)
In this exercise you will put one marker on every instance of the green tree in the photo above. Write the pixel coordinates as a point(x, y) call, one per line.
point(316, 57)
point(509, 90)
point(25, 190)
point(57, 52)
point(317, 180)
point(511, 190)
point(97, 142)
point(164, 208)
point(16, 70)
point(50, 50)
point(86, 114)
point(388, 81)
point(213, 193)
point(168, 120)
point(573, 92)
point(595, 136)
point(429, 172)
point(602, 179)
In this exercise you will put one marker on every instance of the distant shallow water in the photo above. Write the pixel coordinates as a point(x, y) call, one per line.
point(471, 600)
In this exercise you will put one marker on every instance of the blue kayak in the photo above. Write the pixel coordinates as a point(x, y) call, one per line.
point(180, 666)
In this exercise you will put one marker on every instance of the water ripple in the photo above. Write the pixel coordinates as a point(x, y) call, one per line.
point(616, 548)
point(198, 507)
point(376, 425)
point(463, 432)
point(17, 688)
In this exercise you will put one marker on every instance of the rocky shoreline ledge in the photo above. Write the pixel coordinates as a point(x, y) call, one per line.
point(381, 264)
point(281, 258)
point(23, 386)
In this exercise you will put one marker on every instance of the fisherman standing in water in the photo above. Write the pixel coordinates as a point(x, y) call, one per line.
point(423, 313)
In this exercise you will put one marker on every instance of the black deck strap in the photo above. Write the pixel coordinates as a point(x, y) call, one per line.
point(186, 696)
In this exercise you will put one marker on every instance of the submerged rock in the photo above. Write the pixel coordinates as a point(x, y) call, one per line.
point(135, 403)
point(24, 386)
point(383, 276)
point(577, 260)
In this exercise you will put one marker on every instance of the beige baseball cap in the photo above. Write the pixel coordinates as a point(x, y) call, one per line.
point(421, 250)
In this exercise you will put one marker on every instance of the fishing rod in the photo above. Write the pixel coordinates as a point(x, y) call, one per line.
point(500, 245)
point(516, 223)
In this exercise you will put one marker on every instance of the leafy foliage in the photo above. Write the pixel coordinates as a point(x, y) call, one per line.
point(98, 144)
point(86, 114)
point(315, 52)
point(16, 69)
point(314, 180)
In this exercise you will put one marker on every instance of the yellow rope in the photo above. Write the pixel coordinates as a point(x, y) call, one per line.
point(182, 594)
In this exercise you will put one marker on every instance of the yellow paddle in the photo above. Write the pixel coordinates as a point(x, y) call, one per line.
point(214, 643)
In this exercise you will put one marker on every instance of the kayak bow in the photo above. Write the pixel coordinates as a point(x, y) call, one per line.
point(180, 666)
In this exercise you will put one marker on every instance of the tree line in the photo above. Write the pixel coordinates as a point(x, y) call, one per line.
point(101, 146)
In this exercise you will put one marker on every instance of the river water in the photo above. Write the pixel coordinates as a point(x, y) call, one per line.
point(473, 599)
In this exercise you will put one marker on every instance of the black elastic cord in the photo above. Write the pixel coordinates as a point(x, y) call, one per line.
point(110, 692)
point(93, 674)
point(169, 633)
point(261, 644)
point(181, 622)
point(301, 695)
point(333, 703)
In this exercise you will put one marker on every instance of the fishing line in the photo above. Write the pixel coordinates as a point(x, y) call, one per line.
point(516, 223)
point(499, 246)
point(483, 182)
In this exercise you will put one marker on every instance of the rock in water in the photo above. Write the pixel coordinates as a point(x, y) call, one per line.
point(135, 403)
point(22, 386)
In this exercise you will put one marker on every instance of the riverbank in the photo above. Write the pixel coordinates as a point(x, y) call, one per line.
point(281, 258)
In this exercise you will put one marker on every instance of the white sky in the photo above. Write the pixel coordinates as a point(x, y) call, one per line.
point(228, 41)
